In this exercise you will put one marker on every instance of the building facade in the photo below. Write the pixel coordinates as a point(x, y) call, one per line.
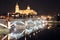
point(26, 11)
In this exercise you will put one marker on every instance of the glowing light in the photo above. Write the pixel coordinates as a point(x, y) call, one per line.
point(49, 17)
point(49, 27)
point(28, 7)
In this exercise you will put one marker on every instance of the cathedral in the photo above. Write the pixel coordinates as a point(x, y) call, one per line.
point(27, 11)
point(23, 13)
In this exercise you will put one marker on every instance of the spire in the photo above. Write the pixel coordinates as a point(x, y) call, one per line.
point(28, 7)
point(16, 8)
point(17, 3)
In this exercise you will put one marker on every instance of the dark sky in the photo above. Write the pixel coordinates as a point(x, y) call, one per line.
point(41, 6)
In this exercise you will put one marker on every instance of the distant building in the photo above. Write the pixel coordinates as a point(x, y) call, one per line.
point(27, 11)
point(23, 13)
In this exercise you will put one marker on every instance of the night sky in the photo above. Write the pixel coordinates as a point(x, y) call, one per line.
point(41, 6)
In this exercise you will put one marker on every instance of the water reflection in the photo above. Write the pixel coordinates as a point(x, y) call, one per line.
point(29, 27)
point(21, 28)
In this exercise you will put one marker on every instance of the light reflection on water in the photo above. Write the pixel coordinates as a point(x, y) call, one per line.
point(33, 28)
point(18, 34)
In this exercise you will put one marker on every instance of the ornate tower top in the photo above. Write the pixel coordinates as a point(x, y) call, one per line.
point(16, 8)
point(28, 7)
point(16, 3)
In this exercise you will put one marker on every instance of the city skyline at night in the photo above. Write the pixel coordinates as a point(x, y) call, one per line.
point(29, 19)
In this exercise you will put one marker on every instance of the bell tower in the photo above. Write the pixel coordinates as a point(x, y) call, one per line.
point(16, 8)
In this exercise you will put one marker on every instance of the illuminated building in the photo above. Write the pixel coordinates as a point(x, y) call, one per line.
point(27, 11)
point(23, 13)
